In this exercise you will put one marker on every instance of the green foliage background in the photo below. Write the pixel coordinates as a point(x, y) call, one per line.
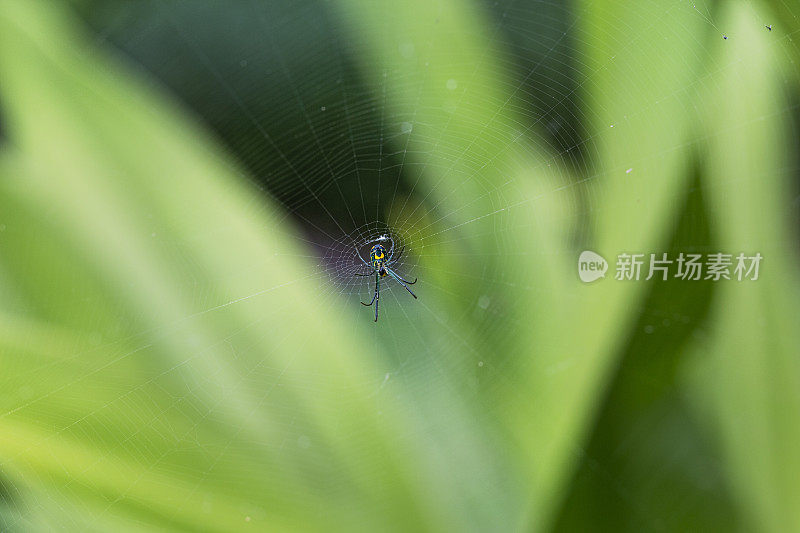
point(154, 383)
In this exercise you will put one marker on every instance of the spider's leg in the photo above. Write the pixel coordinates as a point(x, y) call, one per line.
point(391, 261)
point(398, 280)
point(370, 302)
point(391, 252)
point(377, 295)
point(362, 260)
point(374, 297)
point(404, 279)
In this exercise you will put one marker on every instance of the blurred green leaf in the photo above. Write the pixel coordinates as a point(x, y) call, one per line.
point(649, 461)
point(135, 403)
point(747, 374)
point(173, 359)
point(477, 156)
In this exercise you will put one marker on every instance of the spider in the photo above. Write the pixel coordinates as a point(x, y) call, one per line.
point(380, 267)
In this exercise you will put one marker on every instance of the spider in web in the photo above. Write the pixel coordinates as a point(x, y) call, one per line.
point(380, 267)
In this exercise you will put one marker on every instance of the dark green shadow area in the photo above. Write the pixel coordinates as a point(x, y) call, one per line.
point(544, 74)
point(793, 148)
point(649, 465)
point(11, 513)
point(278, 85)
point(3, 137)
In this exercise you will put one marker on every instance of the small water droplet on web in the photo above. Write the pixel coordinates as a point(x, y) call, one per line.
point(323, 108)
point(629, 171)
point(452, 84)
point(480, 363)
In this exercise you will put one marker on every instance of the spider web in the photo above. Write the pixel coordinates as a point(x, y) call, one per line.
point(314, 137)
